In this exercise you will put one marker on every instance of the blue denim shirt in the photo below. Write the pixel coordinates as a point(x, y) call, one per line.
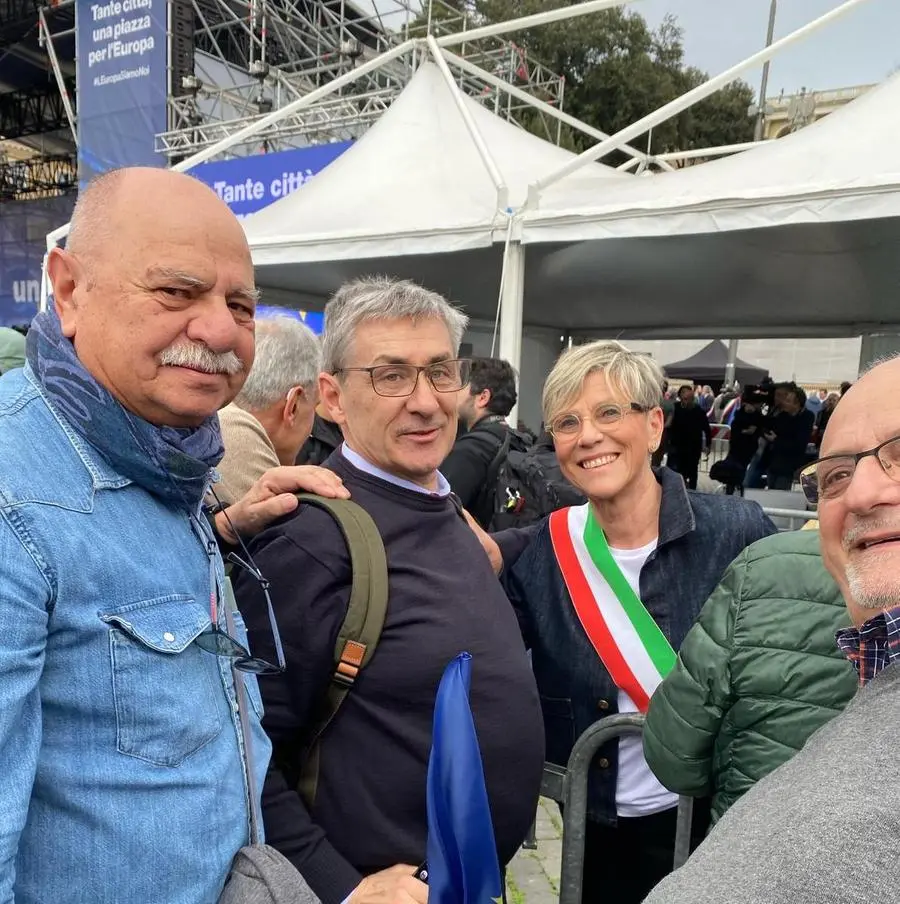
point(122, 774)
point(699, 536)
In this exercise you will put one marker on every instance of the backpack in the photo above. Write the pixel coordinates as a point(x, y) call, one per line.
point(359, 634)
point(529, 484)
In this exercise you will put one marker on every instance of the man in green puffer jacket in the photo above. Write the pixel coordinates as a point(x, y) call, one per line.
point(757, 674)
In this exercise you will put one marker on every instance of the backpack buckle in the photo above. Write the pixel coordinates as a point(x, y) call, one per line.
point(349, 664)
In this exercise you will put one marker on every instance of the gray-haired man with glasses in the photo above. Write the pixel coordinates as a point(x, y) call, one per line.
point(392, 382)
point(823, 828)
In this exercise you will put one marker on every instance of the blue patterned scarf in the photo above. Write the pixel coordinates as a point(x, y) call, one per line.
point(170, 462)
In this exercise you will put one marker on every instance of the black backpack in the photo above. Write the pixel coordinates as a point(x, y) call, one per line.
point(528, 483)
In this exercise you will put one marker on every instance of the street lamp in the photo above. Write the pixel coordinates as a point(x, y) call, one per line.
point(764, 87)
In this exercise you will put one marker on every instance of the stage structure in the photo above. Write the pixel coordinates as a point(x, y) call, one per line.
point(253, 57)
point(232, 62)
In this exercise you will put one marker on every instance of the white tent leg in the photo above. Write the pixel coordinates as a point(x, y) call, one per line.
point(511, 313)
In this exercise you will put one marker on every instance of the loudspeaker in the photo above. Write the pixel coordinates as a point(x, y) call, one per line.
point(181, 46)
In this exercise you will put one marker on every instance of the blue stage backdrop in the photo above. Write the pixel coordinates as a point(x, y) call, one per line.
point(122, 83)
point(23, 229)
point(248, 184)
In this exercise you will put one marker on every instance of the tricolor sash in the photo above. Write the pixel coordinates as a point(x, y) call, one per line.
point(634, 650)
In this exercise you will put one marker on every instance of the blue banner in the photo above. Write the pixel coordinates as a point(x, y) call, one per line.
point(23, 228)
point(121, 48)
point(248, 184)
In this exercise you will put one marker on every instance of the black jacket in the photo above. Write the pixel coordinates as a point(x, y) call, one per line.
point(325, 437)
point(792, 435)
point(743, 446)
point(689, 426)
point(467, 467)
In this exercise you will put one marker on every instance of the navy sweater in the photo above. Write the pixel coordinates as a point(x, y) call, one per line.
point(369, 812)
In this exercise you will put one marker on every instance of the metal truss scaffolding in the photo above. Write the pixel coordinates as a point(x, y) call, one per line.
point(253, 56)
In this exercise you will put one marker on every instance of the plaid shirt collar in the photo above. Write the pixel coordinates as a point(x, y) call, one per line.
point(874, 646)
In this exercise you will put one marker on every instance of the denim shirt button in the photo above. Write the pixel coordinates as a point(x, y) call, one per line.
point(168, 637)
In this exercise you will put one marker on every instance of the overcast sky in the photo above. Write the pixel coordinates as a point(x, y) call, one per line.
point(860, 48)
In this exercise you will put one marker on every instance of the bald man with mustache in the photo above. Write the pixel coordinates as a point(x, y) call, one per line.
point(126, 767)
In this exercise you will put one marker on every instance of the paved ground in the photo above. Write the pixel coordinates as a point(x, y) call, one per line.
point(533, 877)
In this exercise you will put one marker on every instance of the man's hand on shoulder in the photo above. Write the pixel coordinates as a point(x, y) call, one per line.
point(273, 496)
point(397, 885)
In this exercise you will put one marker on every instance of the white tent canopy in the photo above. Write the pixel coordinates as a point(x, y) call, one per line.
point(795, 236)
point(412, 197)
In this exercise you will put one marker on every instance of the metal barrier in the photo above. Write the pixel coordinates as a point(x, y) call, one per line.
point(791, 515)
point(569, 787)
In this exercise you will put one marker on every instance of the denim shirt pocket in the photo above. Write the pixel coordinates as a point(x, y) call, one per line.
point(166, 688)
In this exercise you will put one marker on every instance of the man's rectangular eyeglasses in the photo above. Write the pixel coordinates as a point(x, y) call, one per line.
point(402, 379)
point(607, 415)
point(830, 476)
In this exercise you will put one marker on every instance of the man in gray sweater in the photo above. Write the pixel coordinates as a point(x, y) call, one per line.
point(824, 828)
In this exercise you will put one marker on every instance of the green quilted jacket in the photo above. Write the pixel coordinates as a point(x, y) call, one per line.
point(757, 674)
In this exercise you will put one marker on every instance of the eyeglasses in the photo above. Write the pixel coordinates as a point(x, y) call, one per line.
point(221, 643)
point(607, 414)
point(395, 380)
point(829, 477)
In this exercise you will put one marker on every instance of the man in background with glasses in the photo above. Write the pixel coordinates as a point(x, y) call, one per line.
point(125, 760)
point(392, 381)
point(823, 827)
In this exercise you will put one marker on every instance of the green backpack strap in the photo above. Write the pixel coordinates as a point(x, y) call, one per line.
point(361, 630)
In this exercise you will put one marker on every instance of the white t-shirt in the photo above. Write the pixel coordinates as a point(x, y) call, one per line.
point(638, 792)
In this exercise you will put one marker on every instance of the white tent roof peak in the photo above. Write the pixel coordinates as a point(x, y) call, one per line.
point(414, 183)
point(849, 152)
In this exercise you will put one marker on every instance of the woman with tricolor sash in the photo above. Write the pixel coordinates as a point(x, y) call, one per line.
point(607, 591)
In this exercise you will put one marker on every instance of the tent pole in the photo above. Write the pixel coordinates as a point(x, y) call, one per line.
point(511, 312)
point(471, 128)
point(551, 15)
point(732, 362)
point(541, 105)
point(721, 151)
point(53, 238)
point(629, 165)
point(682, 103)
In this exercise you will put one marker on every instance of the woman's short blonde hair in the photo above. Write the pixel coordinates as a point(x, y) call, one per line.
point(634, 376)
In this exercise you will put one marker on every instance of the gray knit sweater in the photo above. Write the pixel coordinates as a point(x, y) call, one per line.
point(824, 828)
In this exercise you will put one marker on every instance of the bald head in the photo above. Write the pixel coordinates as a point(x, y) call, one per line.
point(125, 203)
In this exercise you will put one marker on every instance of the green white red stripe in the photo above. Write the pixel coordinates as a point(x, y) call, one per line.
point(634, 650)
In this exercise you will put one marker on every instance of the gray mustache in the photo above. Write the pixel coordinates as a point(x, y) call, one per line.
point(199, 357)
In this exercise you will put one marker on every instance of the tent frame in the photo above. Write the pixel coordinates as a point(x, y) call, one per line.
point(510, 313)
